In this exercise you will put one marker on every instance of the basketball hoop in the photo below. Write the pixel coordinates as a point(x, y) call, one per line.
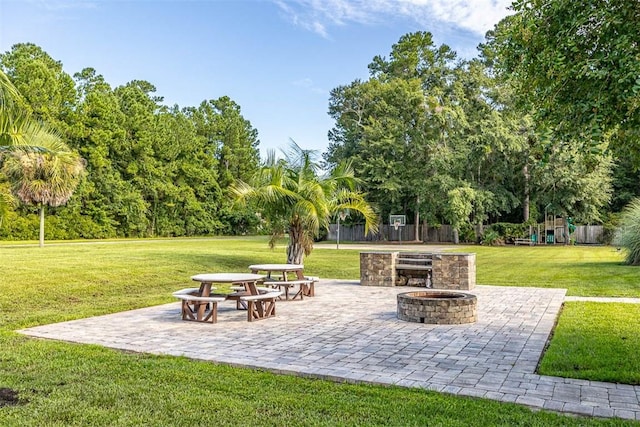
point(398, 221)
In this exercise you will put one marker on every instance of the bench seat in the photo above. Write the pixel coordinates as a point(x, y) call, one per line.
point(261, 306)
point(522, 240)
point(305, 287)
point(191, 303)
point(311, 288)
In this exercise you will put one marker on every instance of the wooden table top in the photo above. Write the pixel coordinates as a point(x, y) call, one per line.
point(276, 267)
point(227, 277)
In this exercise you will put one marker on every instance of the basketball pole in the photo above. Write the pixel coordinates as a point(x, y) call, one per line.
point(338, 238)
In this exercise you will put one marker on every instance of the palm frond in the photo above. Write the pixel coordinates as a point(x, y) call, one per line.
point(18, 129)
point(9, 95)
point(43, 177)
point(291, 191)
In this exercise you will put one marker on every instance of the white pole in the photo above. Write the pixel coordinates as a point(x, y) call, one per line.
point(338, 238)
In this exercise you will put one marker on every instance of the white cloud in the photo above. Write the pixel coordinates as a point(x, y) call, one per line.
point(477, 16)
point(57, 5)
point(309, 84)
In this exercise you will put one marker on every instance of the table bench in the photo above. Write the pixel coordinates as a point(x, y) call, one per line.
point(522, 240)
point(200, 304)
point(419, 262)
point(261, 306)
point(305, 287)
point(191, 302)
point(311, 288)
point(242, 291)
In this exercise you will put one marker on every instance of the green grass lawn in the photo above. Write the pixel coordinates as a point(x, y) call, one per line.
point(68, 384)
point(596, 341)
point(582, 270)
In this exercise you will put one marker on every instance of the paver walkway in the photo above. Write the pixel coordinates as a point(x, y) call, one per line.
point(350, 332)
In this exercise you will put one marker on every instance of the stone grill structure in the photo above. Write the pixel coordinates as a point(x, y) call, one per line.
point(378, 268)
point(454, 271)
point(450, 271)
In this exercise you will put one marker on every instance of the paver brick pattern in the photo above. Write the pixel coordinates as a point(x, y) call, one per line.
point(349, 332)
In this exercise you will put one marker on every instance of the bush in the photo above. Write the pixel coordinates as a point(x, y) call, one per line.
point(17, 227)
point(467, 233)
point(492, 238)
point(628, 235)
point(609, 228)
point(508, 231)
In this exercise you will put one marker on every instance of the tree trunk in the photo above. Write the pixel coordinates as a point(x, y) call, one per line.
point(479, 231)
point(527, 201)
point(41, 225)
point(425, 231)
point(295, 250)
point(417, 221)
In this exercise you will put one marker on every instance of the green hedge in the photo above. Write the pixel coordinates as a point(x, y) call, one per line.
point(509, 231)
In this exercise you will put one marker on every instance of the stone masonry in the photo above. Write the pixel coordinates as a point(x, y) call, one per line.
point(437, 307)
point(451, 271)
point(378, 268)
point(454, 271)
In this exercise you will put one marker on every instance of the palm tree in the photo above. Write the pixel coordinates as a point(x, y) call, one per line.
point(20, 132)
point(6, 202)
point(17, 128)
point(43, 178)
point(294, 198)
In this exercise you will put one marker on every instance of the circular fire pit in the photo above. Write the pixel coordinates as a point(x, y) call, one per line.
point(437, 307)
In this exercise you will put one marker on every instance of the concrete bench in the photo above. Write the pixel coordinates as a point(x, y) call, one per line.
point(262, 305)
point(198, 308)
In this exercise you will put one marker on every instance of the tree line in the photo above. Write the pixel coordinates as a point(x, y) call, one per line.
point(544, 120)
point(151, 170)
point(460, 142)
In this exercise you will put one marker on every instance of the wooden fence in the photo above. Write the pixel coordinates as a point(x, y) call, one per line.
point(584, 234)
point(588, 234)
point(388, 233)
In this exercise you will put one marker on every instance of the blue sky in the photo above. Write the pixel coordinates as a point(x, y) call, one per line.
point(278, 59)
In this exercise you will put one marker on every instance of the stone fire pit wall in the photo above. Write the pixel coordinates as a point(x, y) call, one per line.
point(451, 271)
point(437, 307)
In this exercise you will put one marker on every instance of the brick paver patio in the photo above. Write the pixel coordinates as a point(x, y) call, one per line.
point(350, 332)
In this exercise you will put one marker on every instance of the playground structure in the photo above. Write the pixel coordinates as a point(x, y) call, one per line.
point(552, 231)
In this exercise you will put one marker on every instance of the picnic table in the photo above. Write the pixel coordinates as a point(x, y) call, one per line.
point(200, 304)
point(287, 277)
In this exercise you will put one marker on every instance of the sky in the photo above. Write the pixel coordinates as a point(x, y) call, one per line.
point(277, 59)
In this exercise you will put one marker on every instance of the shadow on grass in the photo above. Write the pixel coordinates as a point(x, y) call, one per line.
point(601, 264)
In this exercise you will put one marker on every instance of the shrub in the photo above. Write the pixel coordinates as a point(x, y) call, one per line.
point(628, 235)
point(508, 231)
point(491, 238)
point(467, 233)
point(17, 227)
point(609, 228)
